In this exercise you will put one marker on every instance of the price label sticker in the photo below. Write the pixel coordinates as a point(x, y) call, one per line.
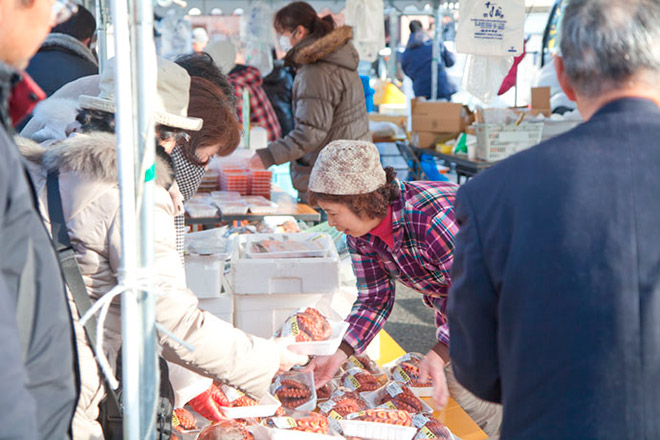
point(353, 360)
point(394, 389)
point(175, 420)
point(335, 415)
point(402, 374)
point(354, 382)
point(284, 422)
point(295, 329)
point(427, 432)
point(389, 404)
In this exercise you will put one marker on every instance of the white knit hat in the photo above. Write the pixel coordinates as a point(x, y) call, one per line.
point(172, 95)
point(347, 168)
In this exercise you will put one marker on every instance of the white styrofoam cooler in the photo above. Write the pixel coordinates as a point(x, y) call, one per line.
point(204, 275)
point(263, 315)
point(283, 275)
point(222, 307)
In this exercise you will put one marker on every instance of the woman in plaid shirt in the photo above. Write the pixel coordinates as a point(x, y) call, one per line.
point(397, 231)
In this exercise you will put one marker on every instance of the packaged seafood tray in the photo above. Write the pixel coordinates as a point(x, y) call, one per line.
point(395, 395)
point(200, 210)
point(376, 431)
point(315, 334)
point(235, 181)
point(239, 406)
point(259, 205)
point(288, 246)
point(405, 370)
point(232, 207)
point(295, 390)
point(225, 195)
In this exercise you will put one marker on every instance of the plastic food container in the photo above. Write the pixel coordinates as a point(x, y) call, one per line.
point(376, 431)
point(263, 208)
point(393, 389)
point(405, 370)
point(322, 348)
point(232, 207)
point(200, 210)
point(225, 195)
point(288, 246)
point(266, 407)
point(306, 379)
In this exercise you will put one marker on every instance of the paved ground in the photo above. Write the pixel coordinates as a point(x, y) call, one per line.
point(411, 322)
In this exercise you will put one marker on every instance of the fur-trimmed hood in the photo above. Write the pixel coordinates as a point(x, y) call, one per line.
point(92, 155)
point(334, 48)
point(56, 40)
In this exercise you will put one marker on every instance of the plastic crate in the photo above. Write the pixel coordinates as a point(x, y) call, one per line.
point(499, 141)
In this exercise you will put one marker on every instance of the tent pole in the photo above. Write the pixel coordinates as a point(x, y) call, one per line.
point(143, 83)
point(130, 317)
point(436, 50)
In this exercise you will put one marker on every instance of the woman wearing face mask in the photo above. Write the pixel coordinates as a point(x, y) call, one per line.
point(397, 231)
point(90, 200)
point(328, 98)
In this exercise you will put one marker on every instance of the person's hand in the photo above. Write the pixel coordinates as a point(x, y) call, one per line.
point(433, 366)
point(325, 367)
point(256, 163)
point(207, 407)
point(289, 359)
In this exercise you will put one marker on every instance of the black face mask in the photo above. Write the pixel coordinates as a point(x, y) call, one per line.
point(187, 174)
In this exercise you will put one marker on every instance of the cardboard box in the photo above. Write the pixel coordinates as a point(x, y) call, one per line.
point(541, 101)
point(425, 139)
point(399, 121)
point(439, 117)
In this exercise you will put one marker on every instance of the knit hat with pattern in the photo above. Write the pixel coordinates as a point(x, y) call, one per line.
point(347, 168)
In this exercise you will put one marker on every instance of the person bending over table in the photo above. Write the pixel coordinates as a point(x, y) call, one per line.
point(397, 231)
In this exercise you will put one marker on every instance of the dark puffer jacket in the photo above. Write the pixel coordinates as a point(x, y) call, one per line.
point(278, 85)
point(60, 60)
point(328, 104)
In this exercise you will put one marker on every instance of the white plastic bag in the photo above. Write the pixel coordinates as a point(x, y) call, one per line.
point(368, 33)
point(491, 27)
point(483, 75)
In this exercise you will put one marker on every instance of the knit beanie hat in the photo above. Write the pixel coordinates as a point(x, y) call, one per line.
point(347, 168)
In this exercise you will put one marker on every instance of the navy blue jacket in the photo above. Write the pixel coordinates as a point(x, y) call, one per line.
point(555, 305)
point(416, 63)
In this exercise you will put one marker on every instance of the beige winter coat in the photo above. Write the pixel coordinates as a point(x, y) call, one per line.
point(328, 104)
point(90, 199)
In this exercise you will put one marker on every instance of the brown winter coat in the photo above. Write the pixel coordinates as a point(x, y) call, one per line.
point(328, 104)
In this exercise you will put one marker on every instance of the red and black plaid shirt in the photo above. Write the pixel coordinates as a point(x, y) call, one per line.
point(261, 110)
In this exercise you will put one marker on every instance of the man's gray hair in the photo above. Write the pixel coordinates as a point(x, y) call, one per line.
point(605, 43)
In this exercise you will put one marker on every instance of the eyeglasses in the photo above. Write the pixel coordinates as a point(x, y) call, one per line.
point(63, 10)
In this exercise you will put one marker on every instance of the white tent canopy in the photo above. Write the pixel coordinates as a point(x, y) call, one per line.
point(229, 6)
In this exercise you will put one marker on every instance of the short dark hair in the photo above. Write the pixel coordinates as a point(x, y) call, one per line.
point(202, 65)
point(80, 25)
point(415, 26)
point(373, 205)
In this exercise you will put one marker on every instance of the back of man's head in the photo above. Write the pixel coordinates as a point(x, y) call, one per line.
point(80, 26)
point(607, 43)
point(415, 26)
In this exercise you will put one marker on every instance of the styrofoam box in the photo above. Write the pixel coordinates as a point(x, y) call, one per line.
point(283, 275)
point(262, 315)
point(204, 274)
point(222, 307)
